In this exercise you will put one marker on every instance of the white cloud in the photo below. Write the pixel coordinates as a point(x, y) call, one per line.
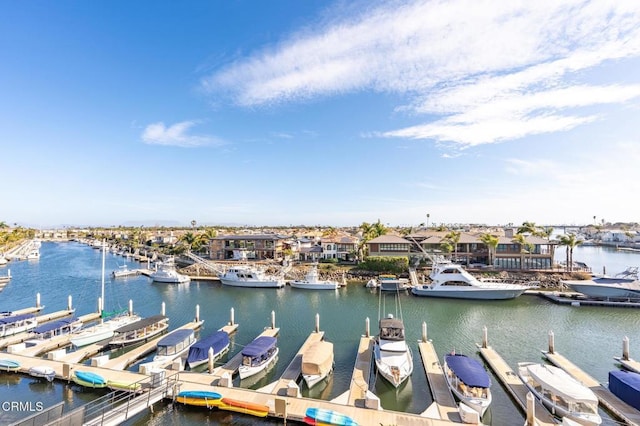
point(488, 71)
point(176, 135)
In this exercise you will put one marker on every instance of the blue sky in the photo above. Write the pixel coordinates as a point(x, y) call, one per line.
point(318, 112)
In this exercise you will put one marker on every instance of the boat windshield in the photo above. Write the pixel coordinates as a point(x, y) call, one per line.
point(392, 333)
point(585, 407)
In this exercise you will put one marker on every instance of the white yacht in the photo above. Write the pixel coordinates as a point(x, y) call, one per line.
point(392, 354)
point(563, 395)
point(624, 285)
point(166, 273)
point(451, 280)
point(312, 281)
point(248, 276)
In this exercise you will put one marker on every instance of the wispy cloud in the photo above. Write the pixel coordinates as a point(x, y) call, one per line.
point(177, 135)
point(479, 72)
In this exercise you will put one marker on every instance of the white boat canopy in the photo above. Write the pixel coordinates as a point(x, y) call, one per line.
point(562, 383)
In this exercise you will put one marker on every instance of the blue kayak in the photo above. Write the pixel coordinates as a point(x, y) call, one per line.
point(322, 415)
point(89, 379)
point(200, 394)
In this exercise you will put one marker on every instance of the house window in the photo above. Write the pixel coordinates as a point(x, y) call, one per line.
point(394, 247)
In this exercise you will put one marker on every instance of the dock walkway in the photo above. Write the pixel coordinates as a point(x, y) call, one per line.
point(612, 403)
point(231, 367)
point(361, 372)
point(442, 396)
point(514, 386)
point(294, 369)
point(123, 361)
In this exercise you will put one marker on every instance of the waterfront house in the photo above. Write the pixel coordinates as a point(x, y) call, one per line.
point(339, 247)
point(250, 246)
point(389, 245)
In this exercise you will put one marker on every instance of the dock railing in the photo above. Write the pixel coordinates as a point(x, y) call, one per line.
point(120, 405)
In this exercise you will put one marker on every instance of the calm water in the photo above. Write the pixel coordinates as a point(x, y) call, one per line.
point(518, 329)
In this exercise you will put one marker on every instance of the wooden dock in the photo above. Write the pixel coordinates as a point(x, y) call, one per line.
point(31, 310)
point(442, 396)
point(231, 367)
point(578, 299)
point(629, 364)
point(361, 373)
point(514, 386)
point(294, 369)
point(125, 360)
point(608, 400)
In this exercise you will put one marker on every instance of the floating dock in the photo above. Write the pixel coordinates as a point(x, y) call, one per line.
point(294, 369)
point(442, 396)
point(42, 319)
point(361, 373)
point(608, 400)
point(577, 299)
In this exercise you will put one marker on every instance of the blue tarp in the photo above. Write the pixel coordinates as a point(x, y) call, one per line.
point(200, 350)
point(469, 370)
point(175, 337)
point(15, 318)
point(54, 325)
point(259, 346)
point(626, 386)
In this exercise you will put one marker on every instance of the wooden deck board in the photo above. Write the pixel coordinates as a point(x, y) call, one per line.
point(361, 371)
point(619, 408)
point(440, 391)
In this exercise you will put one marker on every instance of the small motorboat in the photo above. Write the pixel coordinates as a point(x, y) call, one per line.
point(563, 395)
point(9, 365)
point(88, 379)
point(258, 355)
point(626, 386)
point(199, 352)
point(317, 416)
point(199, 398)
point(42, 371)
point(317, 362)
point(468, 380)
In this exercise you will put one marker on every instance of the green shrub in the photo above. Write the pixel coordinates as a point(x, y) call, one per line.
point(389, 265)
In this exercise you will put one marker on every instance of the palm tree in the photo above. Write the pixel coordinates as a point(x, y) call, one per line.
point(570, 241)
point(492, 242)
point(525, 246)
point(369, 232)
point(3, 225)
point(528, 228)
point(453, 238)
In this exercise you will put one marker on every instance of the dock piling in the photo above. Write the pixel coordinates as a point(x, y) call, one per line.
point(485, 337)
point(531, 410)
point(317, 323)
point(163, 309)
point(210, 364)
point(100, 307)
point(625, 348)
point(37, 300)
point(551, 342)
point(69, 303)
point(197, 313)
point(424, 331)
point(130, 307)
point(273, 319)
point(232, 319)
point(366, 328)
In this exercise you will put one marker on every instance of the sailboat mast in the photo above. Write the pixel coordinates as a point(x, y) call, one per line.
point(104, 254)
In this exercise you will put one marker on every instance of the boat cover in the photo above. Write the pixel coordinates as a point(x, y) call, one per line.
point(15, 318)
point(145, 322)
point(561, 383)
point(200, 350)
point(175, 337)
point(318, 358)
point(54, 325)
point(259, 346)
point(626, 386)
point(469, 370)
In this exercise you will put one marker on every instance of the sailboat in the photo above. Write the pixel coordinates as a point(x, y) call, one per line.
point(104, 330)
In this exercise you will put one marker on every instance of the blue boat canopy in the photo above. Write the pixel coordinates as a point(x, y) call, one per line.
point(626, 386)
point(175, 337)
point(200, 350)
point(54, 325)
point(15, 318)
point(469, 370)
point(259, 346)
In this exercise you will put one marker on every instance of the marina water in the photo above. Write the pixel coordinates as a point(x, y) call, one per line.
point(517, 329)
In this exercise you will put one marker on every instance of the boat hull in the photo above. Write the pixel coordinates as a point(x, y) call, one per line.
point(43, 372)
point(245, 371)
point(313, 379)
point(603, 291)
point(314, 286)
point(386, 369)
point(475, 294)
point(252, 284)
